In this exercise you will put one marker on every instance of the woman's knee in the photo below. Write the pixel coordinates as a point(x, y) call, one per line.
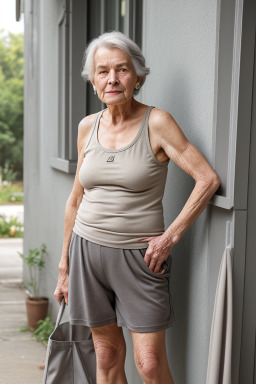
point(108, 354)
point(148, 362)
point(109, 347)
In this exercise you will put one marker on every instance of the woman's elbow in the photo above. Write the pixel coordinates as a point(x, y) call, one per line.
point(214, 181)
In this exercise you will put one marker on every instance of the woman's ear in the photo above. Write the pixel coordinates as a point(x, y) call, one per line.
point(94, 88)
point(139, 79)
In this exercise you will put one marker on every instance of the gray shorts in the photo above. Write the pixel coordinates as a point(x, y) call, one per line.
point(114, 285)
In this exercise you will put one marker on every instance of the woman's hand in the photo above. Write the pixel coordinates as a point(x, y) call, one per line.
point(159, 248)
point(62, 286)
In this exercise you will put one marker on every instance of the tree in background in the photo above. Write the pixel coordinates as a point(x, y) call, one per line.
point(11, 104)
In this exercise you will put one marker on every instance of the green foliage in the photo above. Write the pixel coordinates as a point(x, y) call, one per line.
point(11, 192)
point(11, 101)
point(7, 171)
point(44, 330)
point(35, 262)
point(24, 329)
point(10, 227)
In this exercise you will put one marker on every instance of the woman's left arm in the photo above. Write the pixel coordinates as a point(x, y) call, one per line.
point(187, 157)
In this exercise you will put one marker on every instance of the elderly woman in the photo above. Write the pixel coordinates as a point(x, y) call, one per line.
point(115, 266)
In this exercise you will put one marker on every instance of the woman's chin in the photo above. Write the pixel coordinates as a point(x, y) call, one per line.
point(115, 100)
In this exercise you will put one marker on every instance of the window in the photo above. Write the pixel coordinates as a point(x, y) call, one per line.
point(79, 22)
point(227, 90)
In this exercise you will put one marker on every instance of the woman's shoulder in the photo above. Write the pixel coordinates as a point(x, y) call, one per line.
point(158, 114)
point(84, 128)
point(87, 121)
point(159, 118)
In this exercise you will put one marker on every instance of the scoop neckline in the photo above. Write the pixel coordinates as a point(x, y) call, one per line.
point(122, 148)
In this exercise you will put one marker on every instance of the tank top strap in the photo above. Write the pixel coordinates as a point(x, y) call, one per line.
point(145, 121)
point(94, 129)
point(150, 107)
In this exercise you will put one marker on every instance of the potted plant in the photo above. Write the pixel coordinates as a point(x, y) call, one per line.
point(37, 307)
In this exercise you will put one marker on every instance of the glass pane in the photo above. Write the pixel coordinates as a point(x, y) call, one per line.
point(93, 102)
point(110, 15)
point(121, 15)
point(94, 27)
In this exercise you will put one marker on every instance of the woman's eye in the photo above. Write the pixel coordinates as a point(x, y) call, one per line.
point(102, 72)
point(123, 70)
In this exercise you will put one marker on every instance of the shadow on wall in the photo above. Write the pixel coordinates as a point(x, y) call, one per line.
point(187, 260)
point(176, 337)
point(189, 265)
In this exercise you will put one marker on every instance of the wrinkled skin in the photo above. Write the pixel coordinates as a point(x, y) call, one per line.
point(157, 252)
point(62, 286)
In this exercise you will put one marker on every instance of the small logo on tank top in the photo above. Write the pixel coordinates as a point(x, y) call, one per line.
point(111, 158)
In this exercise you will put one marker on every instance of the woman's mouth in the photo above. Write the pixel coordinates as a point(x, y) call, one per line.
point(113, 92)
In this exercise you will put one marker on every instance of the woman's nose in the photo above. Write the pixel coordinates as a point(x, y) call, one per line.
point(113, 79)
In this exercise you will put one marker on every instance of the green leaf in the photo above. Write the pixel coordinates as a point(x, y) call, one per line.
point(24, 329)
point(44, 329)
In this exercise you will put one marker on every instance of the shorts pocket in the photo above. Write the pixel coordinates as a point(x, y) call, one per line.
point(166, 264)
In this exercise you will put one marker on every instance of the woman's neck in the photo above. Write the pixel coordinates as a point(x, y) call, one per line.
point(121, 112)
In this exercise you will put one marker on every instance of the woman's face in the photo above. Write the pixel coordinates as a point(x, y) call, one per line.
point(114, 76)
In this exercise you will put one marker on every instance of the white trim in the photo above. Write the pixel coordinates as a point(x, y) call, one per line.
point(63, 165)
point(227, 201)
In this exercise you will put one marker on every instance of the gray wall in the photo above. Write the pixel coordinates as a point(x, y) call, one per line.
point(179, 43)
point(45, 189)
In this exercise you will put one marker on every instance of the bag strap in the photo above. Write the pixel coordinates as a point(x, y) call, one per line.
point(61, 311)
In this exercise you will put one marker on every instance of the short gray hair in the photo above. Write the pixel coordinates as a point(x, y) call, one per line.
point(114, 39)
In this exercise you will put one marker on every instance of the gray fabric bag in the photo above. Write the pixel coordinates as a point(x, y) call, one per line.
point(70, 355)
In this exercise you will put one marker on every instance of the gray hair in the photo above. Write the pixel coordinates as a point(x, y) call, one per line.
point(114, 39)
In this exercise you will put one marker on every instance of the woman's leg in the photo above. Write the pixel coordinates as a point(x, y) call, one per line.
point(150, 357)
point(110, 348)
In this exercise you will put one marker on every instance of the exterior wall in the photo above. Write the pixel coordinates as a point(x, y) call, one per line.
point(45, 189)
point(179, 43)
point(179, 46)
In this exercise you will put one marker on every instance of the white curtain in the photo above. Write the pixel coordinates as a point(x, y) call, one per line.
point(220, 347)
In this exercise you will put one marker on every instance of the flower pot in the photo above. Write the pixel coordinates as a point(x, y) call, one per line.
point(37, 308)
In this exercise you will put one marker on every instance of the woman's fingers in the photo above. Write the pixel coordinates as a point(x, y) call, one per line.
point(66, 298)
point(58, 296)
point(59, 293)
point(62, 287)
point(164, 267)
point(158, 266)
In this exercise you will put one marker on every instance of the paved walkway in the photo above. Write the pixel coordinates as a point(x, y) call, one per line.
point(20, 354)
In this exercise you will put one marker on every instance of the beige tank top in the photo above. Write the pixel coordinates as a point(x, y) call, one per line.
point(123, 191)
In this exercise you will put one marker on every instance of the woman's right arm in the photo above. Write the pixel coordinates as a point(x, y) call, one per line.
point(72, 205)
